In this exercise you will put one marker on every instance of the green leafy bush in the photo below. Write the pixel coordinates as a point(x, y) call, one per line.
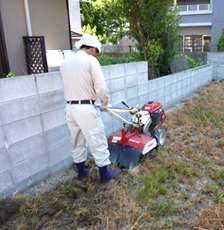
point(105, 59)
point(192, 62)
point(221, 42)
point(10, 74)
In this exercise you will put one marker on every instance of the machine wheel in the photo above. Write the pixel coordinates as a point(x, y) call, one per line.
point(160, 136)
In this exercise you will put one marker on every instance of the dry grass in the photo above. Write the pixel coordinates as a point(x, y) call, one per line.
point(180, 187)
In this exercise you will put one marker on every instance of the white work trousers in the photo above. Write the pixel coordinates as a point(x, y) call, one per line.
point(85, 125)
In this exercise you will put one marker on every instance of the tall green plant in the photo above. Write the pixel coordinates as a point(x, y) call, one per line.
point(149, 20)
point(106, 26)
point(221, 42)
point(154, 51)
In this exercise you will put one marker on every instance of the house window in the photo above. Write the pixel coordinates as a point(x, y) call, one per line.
point(193, 43)
point(207, 43)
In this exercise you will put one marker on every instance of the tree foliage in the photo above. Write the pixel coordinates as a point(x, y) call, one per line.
point(221, 42)
point(99, 22)
point(153, 23)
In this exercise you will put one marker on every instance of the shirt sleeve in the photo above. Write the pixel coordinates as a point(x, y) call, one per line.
point(99, 82)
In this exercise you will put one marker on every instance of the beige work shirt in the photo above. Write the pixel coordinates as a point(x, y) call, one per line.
point(83, 79)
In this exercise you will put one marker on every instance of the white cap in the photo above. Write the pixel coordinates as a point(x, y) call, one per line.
point(88, 40)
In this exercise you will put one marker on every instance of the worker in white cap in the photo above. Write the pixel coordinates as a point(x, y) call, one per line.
point(83, 80)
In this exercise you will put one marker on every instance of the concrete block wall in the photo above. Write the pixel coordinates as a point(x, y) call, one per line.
point(217, 60)
point(129, 83)
point(34, 138)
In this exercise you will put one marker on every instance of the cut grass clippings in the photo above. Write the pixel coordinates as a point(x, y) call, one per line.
point(180, 187)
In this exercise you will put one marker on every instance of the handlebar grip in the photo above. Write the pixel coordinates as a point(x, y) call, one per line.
point(125, 104)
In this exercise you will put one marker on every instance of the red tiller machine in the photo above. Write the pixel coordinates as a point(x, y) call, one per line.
point(139, 136)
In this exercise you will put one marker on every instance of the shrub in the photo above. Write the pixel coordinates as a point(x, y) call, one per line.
point(105, 59)
point(192, 62)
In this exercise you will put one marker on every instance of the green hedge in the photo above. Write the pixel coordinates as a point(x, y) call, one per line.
point(105, 59)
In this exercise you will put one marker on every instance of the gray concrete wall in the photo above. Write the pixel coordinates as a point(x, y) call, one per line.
point(34, 138)
point(217, 60)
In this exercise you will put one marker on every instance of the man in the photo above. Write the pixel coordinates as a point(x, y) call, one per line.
point(83, 80)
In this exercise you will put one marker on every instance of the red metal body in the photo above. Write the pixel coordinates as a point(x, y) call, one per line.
point(126, 148)
point(152, 107)
point(163, 116)
point(130, 139)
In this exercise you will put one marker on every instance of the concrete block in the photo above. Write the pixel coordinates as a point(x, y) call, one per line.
point(179, 93)
point(116, 71)
point(131, 68)
point(6, 182)
point(2, 138)
point(167, 100)
point(174, 78)
point(174, 87)
point(29, 167)
point(23, 129)
point(167, 80)
point(20, 109)
point(51, 101)
point(188, 89)
point(118, 125)
point(184, 82)
point(167, 89)
point(143, 89)
point(179, 84)
point(106, 72)
point(108, 84)
point(16, 88)
point(142, 77)
point(144, 98)
point(4, 159)
point(26, 149)
point(48, 82)
point(53, 119)
point(173, 99)
point(109, 127)
point(62, 166)
point(153, 84)
point(59, 153)
point(161, 95)
point(105, 117)
point(117, 97)
point(133, 102)
point(220, 72)
point(221, 60)
point(56, 136)
point(131, 80)
point(29, 183)
point(188, 80)
point(142, 66)
point(180, 75)
point(184, 90)
point(161, 82)
point(152, 95)
point(117, 84)
point(131, 92)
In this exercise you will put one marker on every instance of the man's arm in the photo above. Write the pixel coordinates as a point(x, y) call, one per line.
point(99, 82)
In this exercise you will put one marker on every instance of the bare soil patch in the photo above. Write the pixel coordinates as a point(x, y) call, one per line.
point(179, 186)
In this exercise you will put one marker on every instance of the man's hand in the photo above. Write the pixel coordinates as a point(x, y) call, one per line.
point(105, 107)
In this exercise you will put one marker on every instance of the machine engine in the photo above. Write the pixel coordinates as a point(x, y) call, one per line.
point(150, 115)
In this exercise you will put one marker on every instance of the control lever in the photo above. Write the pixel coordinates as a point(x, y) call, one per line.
point(125, 104)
